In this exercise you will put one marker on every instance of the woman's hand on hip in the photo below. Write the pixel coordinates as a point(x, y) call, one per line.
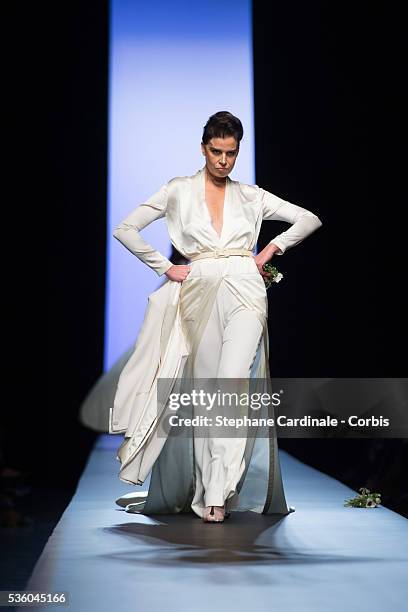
point(178, 273)
point(264, 257)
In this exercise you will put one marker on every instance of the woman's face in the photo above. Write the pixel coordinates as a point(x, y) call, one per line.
point(221, 155)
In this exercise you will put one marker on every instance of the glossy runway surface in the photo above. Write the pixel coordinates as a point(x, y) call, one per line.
point(321, 557)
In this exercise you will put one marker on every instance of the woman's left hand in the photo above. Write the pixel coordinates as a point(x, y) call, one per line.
point(264, 257)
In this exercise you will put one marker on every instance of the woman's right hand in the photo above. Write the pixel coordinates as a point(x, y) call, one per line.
point(178, 273)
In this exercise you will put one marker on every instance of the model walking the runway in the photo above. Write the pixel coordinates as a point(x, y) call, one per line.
point(209, 321)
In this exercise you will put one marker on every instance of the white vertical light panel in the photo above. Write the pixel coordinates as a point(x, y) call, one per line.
point(172, 65)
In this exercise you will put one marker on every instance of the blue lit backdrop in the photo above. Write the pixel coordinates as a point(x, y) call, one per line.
point(172, 65)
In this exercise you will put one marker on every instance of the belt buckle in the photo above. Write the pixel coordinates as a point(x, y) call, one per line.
point(219, 253)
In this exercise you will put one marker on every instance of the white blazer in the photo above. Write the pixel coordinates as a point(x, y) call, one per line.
point(182, 202)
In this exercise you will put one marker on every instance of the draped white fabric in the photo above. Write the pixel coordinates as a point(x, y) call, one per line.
point(174, 323)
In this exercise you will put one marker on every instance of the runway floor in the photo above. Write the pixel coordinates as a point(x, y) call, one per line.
point(321, 557)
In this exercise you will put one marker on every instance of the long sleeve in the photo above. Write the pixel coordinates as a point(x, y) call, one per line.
point(303, 222)
point(128, 231)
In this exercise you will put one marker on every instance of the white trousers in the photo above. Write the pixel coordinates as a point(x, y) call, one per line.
point(227, 350)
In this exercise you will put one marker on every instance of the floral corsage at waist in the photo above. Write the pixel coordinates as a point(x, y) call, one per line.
point(275, 275)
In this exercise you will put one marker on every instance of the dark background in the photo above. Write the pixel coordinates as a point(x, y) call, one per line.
point(328, 109)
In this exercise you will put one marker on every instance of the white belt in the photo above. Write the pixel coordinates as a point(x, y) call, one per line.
point(222, 253)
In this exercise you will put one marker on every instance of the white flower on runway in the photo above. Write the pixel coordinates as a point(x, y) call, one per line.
point(366, 499)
